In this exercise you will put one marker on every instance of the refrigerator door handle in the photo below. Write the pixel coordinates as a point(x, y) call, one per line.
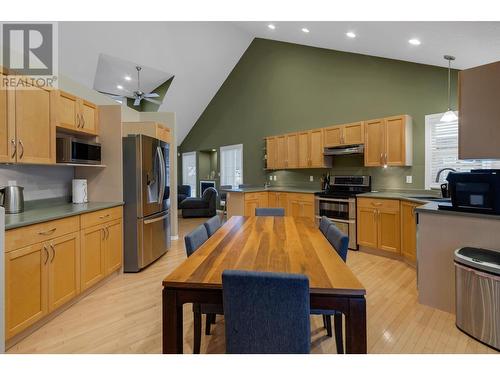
point(150, 221)
point(161, 191)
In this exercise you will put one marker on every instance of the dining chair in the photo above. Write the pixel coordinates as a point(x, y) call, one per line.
point(193, 241)
point(340, 243)
point(324, 223)
point(273, 211)
point(212, 225)
point(266, 312)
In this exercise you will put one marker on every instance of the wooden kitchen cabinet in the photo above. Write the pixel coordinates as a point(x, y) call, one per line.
point(292, 152)
point(255, 200)
point(153, 129)
point(301, 205)
point(89, 113)
point(26, 287)
point(76, 114)
point(316, 149)
point(5, 136)
point(33, 120)
point(281, 152)
point(64, 269)
point(92, 255)
point(409, 231)
point(332, 136)
point(278, 200)
point(344, 135)
point(271, 153)
point(113, 247)
point(304, 150)
point(388, 142)
point(378, 224)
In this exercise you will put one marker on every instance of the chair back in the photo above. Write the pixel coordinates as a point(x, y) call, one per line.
point(274, 211)
point(210, 196)
point(242, 186)
point(339, 240)
point(266, 313)
point(184, 189)
point(195, 239)
point(324, 224)
point(212, 225)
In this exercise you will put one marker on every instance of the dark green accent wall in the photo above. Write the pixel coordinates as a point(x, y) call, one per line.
point(279, 87)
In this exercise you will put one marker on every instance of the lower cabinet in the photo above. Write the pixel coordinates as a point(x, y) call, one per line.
point(278, 200)
point(409, 231)
point(301, 205)
point(43, 276)
point(255, 200)
point(295, 204)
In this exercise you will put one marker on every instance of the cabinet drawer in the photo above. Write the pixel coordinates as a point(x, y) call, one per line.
point(259, 195)
point(102, 216)
point(303, 197)
point(24, 236)
point(390, 204)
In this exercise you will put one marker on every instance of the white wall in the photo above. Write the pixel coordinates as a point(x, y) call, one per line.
point(200, 55)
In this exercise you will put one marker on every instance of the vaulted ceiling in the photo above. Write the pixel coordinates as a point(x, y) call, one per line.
point(202, 54)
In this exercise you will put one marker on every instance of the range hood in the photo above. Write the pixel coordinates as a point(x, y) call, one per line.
point(344, 150)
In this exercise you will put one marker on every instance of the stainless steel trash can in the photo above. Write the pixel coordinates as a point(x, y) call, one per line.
point(477, 277)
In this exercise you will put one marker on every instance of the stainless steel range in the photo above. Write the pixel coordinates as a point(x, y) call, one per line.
point(338, 203)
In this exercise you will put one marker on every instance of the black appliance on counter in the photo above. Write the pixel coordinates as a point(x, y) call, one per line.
point(477, 191)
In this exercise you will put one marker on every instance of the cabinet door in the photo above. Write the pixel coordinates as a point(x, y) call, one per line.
point(6, 136)
point(395, 141)
point(292, 145)
point(114, 246)
point(389, 230)
point(69, 112)
point(26, 287)
point(303, 150)
point(273, 199)
point(332, 136)
point(282, 202)
point(35, 125)
point(281, 153)
point(271, 152)
point(367, 227)
point(294, 207)
point(250, 206)
point(408, 231)
point(64, 269)
point(92, 256)
point(307, 209)
point(89, 117)
point(354, 134)
point(316, 148)
point(374, 142)
point(263, 200)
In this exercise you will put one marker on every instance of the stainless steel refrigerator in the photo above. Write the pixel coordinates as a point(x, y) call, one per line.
point(146, 188)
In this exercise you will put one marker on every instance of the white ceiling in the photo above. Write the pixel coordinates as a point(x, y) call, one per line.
point(111, 72)
point(472, 43)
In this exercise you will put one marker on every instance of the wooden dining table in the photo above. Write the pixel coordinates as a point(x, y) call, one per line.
point(270, 244)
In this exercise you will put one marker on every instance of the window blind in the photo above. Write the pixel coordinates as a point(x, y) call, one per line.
point(231, 165)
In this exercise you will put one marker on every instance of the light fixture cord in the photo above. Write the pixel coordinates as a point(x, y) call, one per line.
point(449, 84)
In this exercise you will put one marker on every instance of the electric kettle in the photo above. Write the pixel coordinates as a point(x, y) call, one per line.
point(12, 198)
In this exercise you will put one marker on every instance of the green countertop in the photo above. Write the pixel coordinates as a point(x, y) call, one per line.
point(52, 209)
point(432, 208)
point(284, 189)
point(406, 196)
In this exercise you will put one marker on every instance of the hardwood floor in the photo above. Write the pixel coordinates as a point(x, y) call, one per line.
point(124, 315)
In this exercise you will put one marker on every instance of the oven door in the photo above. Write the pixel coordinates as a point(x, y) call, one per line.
point(334, 209)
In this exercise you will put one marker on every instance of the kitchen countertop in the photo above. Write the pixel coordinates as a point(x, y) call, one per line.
point(51, 209)
point(284, 189)
point(400, 195)
point(432, 208)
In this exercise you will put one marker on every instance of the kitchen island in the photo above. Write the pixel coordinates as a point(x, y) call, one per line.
point(439, 234)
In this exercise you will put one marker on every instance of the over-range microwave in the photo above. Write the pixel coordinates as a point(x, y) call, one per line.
point(77, 151)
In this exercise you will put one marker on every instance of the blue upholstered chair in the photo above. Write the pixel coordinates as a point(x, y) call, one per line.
point(340, 243)
point(266, 312)
point(193, 241)
point(212, 225)
point(324, 224)
point(270, 211)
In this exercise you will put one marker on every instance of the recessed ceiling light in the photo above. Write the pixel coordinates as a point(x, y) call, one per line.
point(414, 42)
point(271, 26)
point(127, 78)
point(305, 30)
point(350, 34)
point(119, 87)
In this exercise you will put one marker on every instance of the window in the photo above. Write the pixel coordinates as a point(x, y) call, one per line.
point(441, 151)
point(231, 165)
point(189, 171)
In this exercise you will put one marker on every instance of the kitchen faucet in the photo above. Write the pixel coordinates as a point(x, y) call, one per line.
point(442, 170)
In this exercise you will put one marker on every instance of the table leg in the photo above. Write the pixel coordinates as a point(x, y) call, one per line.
point(356, 326)
point(172, 323)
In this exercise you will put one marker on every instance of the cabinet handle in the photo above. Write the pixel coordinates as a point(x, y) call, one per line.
point(47, 253)
point(107, 232)
point(385, 158)
point(83, 121)
point(53, 252)
point(77, 120)
point(47, 232)
point(104, 216)
point(376, 204)
point(103, 234)
point(14, 148)
point(22, 149)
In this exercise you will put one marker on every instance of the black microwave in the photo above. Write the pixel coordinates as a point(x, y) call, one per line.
point(475, 191)
point(77, 151)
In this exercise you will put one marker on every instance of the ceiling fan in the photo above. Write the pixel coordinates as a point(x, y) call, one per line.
point(139, 95)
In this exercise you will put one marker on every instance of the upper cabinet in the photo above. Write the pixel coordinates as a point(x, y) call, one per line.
point(479, 112)
point(153, 129)
point(76, 114)
point(5, 155)
point(32, 123)
point(292, 152)
point(388, 141)
point(344, 135)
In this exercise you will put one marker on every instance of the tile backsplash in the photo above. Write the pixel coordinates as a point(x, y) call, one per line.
point(39, 182)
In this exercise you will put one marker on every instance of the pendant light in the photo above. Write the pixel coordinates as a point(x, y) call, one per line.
point(449, 115)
